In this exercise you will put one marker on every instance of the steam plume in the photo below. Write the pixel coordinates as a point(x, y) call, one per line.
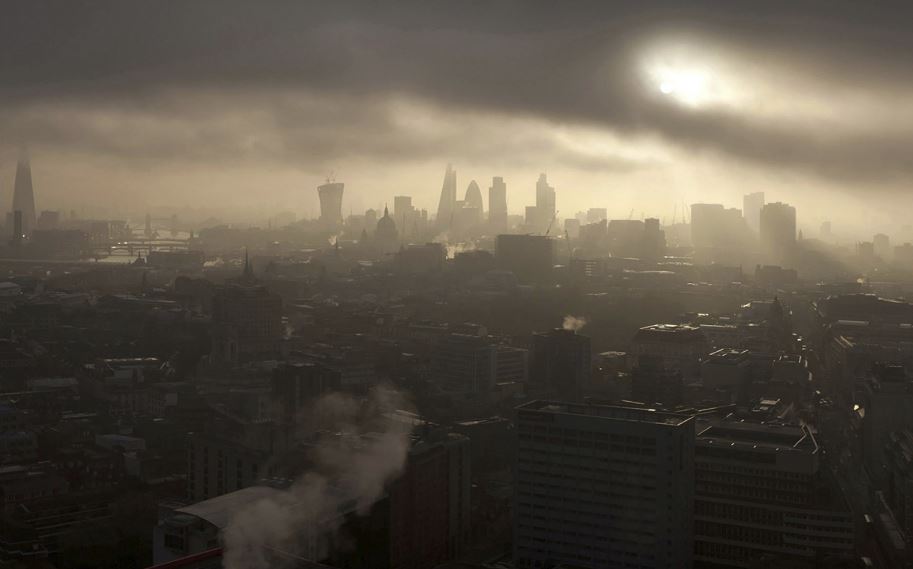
point(573, 323)
point(360, 456)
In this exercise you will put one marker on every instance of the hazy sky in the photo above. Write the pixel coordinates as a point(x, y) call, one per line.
point(244, 107)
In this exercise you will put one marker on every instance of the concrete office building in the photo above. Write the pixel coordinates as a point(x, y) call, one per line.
point(602, 486)
point(761, 492)
point(561, 361)
point(887, 398)
point(530, 257)
point(681, 347)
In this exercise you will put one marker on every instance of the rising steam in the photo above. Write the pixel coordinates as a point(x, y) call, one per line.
point(361, 453)
point(573, 323)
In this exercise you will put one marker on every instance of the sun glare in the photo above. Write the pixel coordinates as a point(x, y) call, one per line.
point(685, 77)
point(688, 86)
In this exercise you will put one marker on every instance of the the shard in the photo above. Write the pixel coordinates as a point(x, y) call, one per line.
point(24, 196)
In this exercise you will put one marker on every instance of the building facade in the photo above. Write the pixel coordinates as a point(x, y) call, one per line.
point(602, 486)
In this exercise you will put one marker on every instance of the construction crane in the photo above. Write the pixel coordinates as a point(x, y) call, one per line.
point(550, 223)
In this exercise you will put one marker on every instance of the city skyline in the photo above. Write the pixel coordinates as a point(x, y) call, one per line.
point(678, 105)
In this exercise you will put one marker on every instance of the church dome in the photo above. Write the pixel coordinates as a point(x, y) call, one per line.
point(386, 234)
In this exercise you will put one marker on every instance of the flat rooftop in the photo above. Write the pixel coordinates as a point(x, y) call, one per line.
point(759, 435)
point(612, 412)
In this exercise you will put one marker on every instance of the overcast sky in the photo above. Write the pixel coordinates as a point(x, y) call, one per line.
point(244, 107)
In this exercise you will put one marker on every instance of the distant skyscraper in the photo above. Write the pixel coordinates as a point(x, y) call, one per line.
point(602, 486)
point(473, 197)
point(24, 196)
point(448, 197)
point(778, 231)
point(404, 214)
point(545, 199)
point(751, 210)
point(331, 202)
point(497, 204)
point(882, 245)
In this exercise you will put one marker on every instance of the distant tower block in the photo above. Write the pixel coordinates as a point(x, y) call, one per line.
point(331, 202)
point(148, 231)
point(497, 204)
point(24, 196)
point(448, 197)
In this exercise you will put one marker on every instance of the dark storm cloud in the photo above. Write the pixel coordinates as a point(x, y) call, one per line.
point(562, 62)
point(309, 133)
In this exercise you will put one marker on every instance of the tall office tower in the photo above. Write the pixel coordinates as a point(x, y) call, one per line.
point(497, 204)
point(471, 209)
point(751, 210)
point(778, 231)
point(448, 198)
point(545, 200)
point(882, 245)
point(603, 486)
point(148, 227)
point(473, 197)
point(247, 321)
point(331, 203)
point(762, 492)
point(24, 196)
point(561, 362)
point(404, 214)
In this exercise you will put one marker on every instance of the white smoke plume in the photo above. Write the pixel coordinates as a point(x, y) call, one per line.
point(362, 452)
point(573, 323)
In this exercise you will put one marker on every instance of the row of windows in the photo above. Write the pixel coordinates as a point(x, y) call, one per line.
point(573, 459)
point(633, 516)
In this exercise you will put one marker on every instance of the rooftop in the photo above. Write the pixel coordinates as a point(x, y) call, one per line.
point(617, 413)
point(771, 436)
